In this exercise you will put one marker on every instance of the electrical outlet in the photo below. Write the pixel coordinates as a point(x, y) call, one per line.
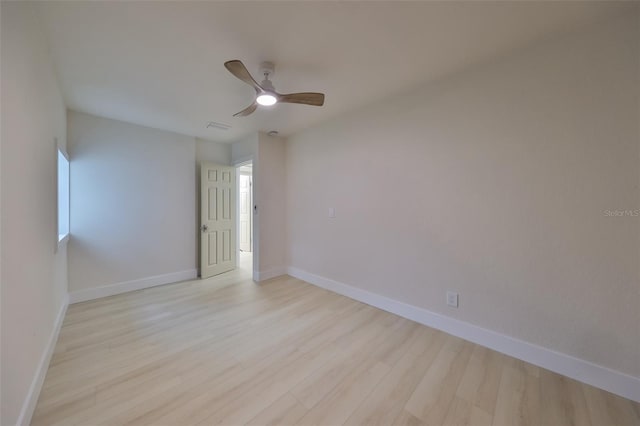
point(452, 299)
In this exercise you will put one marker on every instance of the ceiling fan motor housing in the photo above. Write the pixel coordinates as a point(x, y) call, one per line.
point(267, 85)
point(267, 69)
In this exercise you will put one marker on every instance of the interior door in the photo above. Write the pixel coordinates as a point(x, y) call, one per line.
point(244, 216)
point(217, 219)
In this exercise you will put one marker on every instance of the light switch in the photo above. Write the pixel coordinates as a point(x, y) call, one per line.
point(332, 212)
point(452, 299)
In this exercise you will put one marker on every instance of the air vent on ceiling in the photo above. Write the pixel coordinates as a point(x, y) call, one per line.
point(219, 126)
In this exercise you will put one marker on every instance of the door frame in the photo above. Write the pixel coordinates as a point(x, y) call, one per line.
point(250, 214)
point(255, 228)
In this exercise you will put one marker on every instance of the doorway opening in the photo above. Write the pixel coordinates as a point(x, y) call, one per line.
point(246, 249)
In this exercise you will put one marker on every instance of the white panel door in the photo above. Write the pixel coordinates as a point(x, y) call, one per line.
point(244, 216)
point(217, 219)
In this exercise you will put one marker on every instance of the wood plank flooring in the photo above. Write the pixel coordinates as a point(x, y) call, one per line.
point(228, 351)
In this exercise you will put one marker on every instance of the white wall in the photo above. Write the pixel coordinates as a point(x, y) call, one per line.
point(245, 149)
point(492, 183)
point(271, 175)
point(132, 203)
point(214, 152)
point(34, 276)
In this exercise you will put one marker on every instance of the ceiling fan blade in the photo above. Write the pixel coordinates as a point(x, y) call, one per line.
point(238, 69)
point(306, 98)
point(248, 110)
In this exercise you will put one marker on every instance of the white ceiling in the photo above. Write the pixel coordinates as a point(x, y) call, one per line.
point(161, 64)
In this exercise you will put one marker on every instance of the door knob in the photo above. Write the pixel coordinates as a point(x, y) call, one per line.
point(204, 228)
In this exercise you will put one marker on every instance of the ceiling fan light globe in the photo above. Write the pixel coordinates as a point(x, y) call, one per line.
point(266, 99)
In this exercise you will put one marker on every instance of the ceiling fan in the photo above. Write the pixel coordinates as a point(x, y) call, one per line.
point(265, 92)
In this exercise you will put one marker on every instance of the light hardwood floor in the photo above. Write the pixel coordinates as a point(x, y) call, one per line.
point(226, 350)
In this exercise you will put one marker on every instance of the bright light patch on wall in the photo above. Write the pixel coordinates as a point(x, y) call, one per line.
point(63, 196)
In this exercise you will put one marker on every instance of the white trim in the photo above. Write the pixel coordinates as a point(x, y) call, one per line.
point(237, 219)
point(269, 273)
point(124, 287)
point(63, 242)
point(255, 220)
point(29, 405)
point(593, 374)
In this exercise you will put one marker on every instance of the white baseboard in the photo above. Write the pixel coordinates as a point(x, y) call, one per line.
point(584, 371)
point(124, 287)
point(269, 273)
point(29, 405)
